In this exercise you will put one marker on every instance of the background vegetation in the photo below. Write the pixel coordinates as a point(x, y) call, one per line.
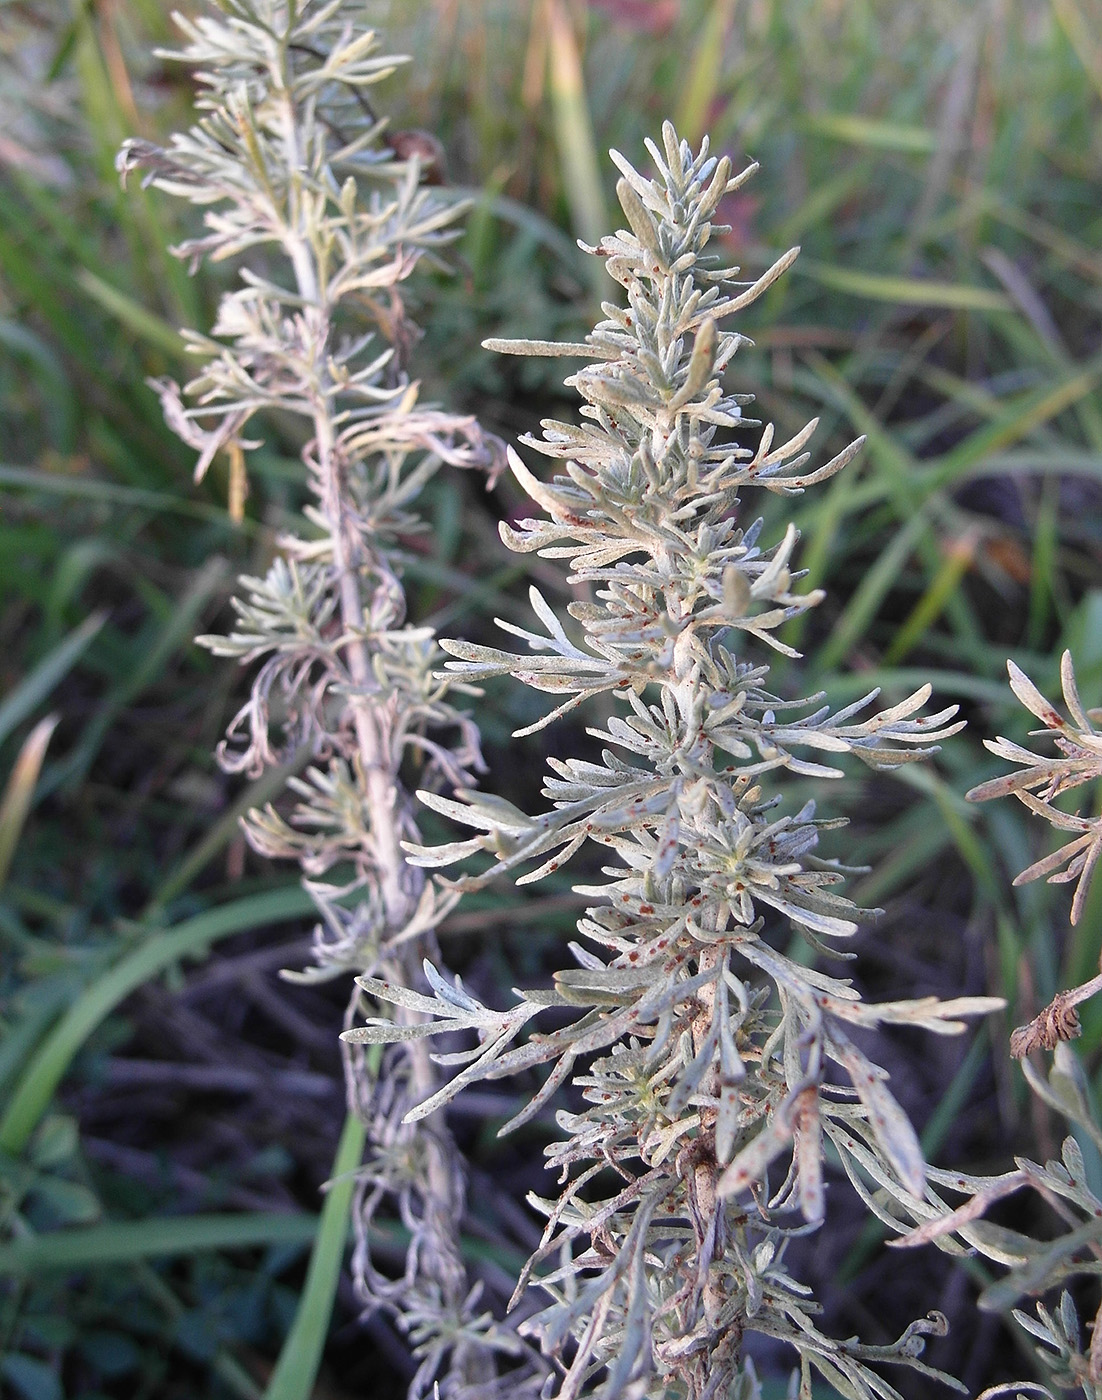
point(170, 1107)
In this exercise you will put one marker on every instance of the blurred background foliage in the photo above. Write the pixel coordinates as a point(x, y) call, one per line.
point(169, 1107)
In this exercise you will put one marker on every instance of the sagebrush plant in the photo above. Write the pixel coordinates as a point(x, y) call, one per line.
point(1040, 780)
point(1035, 1267)
point(296, 170)
point(704, 1051)
point(1038, 1266)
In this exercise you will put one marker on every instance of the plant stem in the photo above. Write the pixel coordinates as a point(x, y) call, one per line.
point(400, 883)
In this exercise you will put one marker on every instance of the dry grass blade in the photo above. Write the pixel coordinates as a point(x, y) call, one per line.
point(19, 791)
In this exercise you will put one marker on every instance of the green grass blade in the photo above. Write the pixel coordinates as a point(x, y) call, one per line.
point(43, 283)
point(897, 470)
point(581, 171)
point(1043, 566)
point(122, 1242)
point(905, 291)
point(34, 688)
point(145, 324)
point(867, 597)
point(959, 821)
point(88, 488)
point(1082, 29)
point(1026, 413)
point(160, 950)
point(959, 558)
point(1055, 240)
point(520, 216)
point(821, 203)
point(178, 628)
point(872, 133)
point(899, 477)
point(110, 117)
point(297, 1368)
point(955, 1099)
point(702, 84)
point(27, 1018)
point(59, 403)
point(72, 570)
point(912, 844)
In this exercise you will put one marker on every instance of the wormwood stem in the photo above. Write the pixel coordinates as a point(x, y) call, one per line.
point(698, 1049)
point(376, 763)
point(289, 158)
point(400, 883)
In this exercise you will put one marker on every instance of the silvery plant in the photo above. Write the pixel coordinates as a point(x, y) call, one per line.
point(1039, 780)
point(327, 214)
point(714, 1069)
point(1070, 1360)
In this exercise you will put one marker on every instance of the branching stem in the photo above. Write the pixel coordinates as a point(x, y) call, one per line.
point(400, 883)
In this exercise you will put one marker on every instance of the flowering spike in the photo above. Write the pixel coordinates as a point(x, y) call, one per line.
point(704, 1049)
point(289, 159)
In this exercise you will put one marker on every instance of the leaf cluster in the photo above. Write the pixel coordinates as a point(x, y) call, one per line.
point(295, 171)
point(705, 1055)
